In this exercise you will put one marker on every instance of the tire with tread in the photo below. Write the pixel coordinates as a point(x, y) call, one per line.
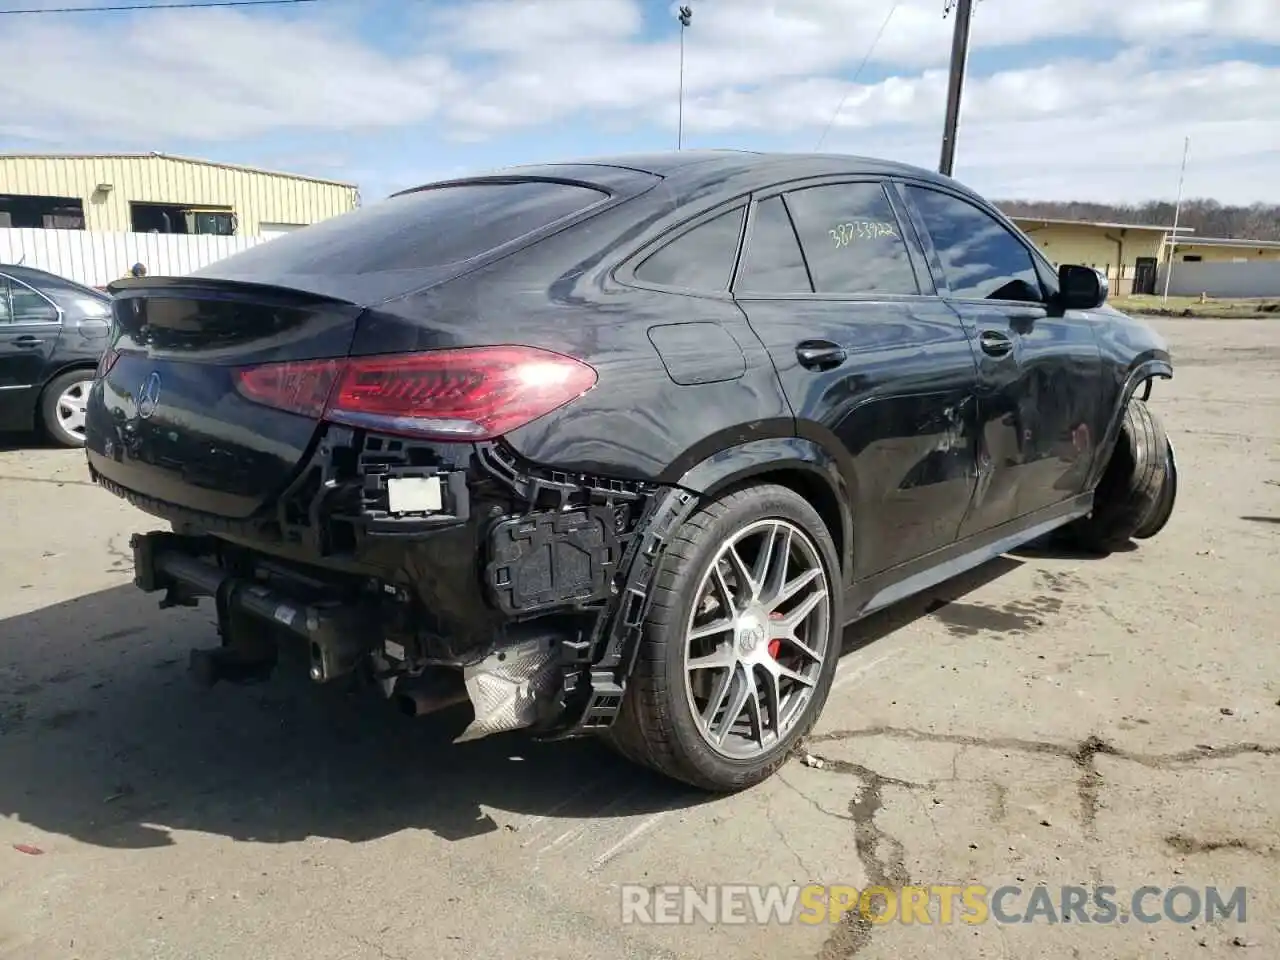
point(655, 726)
point(1159, 516)
point(1131, 488)
point(49, 407)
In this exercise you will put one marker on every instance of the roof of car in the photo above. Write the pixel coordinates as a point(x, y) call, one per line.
point(25, 272)
point(712, 163)
point(36, 276)
point(695, 168)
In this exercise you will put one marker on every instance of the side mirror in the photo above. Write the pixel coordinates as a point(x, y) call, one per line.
point(1081, 288)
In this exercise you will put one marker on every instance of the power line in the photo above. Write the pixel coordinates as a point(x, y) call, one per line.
point(857, 73)
point(192, 5)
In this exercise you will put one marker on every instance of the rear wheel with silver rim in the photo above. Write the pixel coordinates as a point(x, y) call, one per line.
point(741, 642)
point(62, 407)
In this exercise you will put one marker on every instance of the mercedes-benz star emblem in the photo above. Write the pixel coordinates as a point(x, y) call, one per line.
point(149, 395)
point(750, 635)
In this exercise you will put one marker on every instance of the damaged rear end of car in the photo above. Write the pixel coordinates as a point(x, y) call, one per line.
point(325, 437)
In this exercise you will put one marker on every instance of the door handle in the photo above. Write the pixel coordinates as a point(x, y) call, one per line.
point(820, 354)
point(995, 344)
point(26, 340)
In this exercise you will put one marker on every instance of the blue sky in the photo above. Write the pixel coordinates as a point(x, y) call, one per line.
point(1086, 100)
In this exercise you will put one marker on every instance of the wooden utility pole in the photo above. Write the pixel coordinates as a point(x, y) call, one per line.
point(955, 84)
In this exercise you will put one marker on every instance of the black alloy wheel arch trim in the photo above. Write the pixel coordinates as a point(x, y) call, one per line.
point(761, 459)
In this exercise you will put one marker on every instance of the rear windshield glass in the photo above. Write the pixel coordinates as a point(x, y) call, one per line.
point(430, 228)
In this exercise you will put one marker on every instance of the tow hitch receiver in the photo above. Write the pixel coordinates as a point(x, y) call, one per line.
point(337, 634)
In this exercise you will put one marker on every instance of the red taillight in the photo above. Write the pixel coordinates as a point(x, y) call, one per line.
point(298, 386)
point(473, 393)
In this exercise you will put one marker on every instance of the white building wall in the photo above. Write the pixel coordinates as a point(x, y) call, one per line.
point(96, 258)
point(1257, 278)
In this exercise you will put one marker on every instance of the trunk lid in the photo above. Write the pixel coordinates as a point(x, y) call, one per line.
point(164, 418)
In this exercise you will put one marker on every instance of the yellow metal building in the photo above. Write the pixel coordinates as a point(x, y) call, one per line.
point(1127, 252)
point(160, 193)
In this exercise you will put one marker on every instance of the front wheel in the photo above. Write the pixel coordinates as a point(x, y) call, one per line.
point(1135, 495)
point(740, 645)
point(62, 407)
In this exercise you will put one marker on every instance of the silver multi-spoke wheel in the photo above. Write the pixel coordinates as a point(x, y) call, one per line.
point(70, 408)
point(757, 638)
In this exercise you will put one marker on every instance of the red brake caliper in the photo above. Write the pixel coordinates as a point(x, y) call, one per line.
point(775, 646)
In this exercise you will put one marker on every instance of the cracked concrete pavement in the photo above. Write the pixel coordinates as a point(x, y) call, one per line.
point(1049, 718)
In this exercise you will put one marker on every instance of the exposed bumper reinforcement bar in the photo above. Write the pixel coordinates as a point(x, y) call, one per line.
point(337, 635)
point(511, 689)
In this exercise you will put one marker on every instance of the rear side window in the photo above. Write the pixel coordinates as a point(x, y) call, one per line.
point(430, 228)
point(25, 305)
point(85, 301)
point(852, 241)
point(982, 260)
point(772, 263)
point(700, 259)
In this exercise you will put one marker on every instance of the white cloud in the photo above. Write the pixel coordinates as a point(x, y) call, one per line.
point(514, 26)
point(208, 75)
point(484, 68)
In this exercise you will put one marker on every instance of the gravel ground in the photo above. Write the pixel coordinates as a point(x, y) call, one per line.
point(1049, 718)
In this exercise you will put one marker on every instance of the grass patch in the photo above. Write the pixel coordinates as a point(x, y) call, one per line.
point(1211, 308)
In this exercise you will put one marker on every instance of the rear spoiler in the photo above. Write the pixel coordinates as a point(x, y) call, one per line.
point(218, 285)
point(151, 282)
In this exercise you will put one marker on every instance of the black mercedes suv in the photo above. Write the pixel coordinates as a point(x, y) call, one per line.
point(619, 446)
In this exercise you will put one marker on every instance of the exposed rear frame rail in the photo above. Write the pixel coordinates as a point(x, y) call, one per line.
point(175, 564)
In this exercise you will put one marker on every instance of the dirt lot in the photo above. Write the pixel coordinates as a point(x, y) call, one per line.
point(1049, 719)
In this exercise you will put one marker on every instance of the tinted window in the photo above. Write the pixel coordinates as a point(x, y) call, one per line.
point(981, 259)
point(26, 306)
point(851, 240)
point(429, 228)
point(701, 259)
point(772, 263)
point(81, 301)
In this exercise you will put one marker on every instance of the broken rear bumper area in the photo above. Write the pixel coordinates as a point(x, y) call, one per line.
point(521, 593)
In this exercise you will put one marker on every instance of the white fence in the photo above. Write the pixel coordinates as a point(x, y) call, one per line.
point(96, 259)
point(1257, 278)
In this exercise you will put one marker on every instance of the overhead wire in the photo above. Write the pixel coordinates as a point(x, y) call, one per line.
point(853, 83)
point(184, 5)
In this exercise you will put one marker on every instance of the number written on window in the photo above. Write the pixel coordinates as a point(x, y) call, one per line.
point(863, 253)
point(700, 259)
point(980, 258)
point(844, 234)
